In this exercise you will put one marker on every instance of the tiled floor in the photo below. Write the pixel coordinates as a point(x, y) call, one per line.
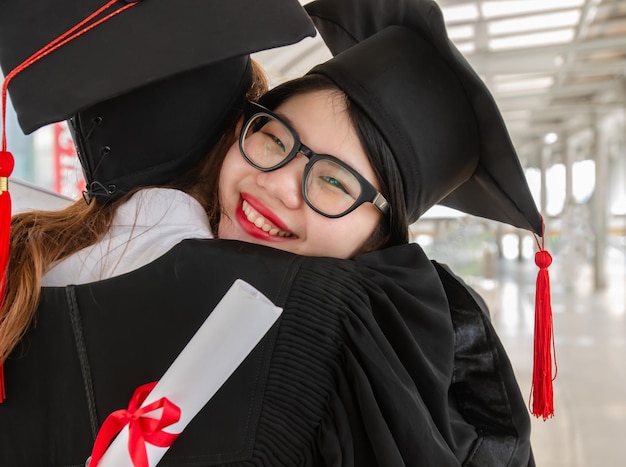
point(589, 426)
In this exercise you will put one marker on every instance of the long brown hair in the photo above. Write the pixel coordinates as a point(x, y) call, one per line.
point(40, 238)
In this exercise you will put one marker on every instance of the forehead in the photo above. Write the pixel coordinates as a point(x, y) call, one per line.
point(316, 110)
point(323, 124)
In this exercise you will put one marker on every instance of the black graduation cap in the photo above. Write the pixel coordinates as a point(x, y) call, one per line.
point(394, 60)
point(152, 40)
point(147, 88)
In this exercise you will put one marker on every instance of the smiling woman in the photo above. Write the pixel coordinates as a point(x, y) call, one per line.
point(275, 191)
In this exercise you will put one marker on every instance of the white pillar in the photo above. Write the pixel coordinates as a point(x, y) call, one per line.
point(600, 205)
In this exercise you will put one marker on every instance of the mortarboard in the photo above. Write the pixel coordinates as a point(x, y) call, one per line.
point(159, 77)
point(451, 146)
point(152, 40)
point(146, 83)
point(396, 62)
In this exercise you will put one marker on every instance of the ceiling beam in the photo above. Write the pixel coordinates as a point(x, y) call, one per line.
point(481, 61)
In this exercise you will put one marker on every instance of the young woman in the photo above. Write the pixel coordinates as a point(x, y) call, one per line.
point(325, 203)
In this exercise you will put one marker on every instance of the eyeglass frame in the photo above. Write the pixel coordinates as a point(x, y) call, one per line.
point(369, 193)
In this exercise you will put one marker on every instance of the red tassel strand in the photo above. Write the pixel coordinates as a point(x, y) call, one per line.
point(6, 168)
point(6, 158)
point(542, 390)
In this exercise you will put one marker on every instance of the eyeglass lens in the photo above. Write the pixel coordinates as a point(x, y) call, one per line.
point(267, 141)
point(329, 187)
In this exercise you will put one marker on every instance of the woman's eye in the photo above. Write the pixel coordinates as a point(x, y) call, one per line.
point(278, 142)
point(334, 183)
point(273, 144)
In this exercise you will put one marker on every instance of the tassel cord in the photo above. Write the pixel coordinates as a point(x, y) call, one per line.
point(544, 360)
point(60, 41)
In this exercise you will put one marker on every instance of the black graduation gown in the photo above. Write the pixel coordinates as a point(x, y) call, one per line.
point(387, 360)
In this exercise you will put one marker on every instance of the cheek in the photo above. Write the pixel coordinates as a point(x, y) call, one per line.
point(234, 168)
point(229, 194)
point(340, 238)
point(360, 230)
point(230, 161)
point(225, 229)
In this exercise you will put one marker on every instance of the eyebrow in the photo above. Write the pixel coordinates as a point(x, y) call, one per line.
point(287, 120)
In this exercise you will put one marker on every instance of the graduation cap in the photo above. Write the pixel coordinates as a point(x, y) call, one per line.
point(394, 60)
point(151, 40)
point(130, 44)
point(147, 84)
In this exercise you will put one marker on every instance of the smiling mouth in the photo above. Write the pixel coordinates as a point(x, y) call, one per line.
point(260, 222)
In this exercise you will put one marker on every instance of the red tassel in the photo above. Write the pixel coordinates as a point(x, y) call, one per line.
point(6, 168)
point(542, 391)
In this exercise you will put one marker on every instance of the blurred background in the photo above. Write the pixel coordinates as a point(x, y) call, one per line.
point(557, 70)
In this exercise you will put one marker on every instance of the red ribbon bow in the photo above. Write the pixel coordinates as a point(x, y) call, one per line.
point(142, 428)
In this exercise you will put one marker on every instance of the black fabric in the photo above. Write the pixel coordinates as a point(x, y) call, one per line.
point(393, 58)
point(152, 134)
point(81, 350)
point(366, 366)
point(150, 41)
point(484, 384)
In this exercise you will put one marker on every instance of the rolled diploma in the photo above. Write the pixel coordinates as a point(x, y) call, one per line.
point(236, 325)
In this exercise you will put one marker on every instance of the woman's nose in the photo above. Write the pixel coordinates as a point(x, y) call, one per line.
point(285, 183)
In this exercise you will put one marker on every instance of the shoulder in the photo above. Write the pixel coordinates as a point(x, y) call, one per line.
point(458, 290)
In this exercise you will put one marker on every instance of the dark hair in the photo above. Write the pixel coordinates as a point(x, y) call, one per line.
point(202, 181)
point(390, 233)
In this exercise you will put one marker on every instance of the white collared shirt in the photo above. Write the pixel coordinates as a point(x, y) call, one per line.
point(148, 225)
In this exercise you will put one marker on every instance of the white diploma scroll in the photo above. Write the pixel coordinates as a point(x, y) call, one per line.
point(232, 330)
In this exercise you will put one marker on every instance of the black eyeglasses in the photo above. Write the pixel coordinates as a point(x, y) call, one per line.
point(329, 186)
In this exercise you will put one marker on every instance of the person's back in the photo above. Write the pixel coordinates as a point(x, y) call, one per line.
point(357, 371)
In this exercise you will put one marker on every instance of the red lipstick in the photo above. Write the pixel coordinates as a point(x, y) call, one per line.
point(259, 207)
point(251, 229)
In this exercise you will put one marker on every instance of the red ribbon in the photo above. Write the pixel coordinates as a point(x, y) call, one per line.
point(142, 428)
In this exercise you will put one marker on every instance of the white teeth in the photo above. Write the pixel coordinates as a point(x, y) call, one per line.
point(261, 222)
